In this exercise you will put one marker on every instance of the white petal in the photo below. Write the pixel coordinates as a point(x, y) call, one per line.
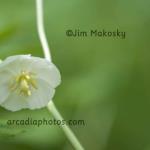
point(50, 74)
point(39, 98)
point(15, 102)
point(4, 93)
point(15, 63)
point(5, 79)
point(45, 70)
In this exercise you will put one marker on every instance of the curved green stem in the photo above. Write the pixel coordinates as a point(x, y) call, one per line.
point(41, 31)
point(70, 135)
point(51, 107)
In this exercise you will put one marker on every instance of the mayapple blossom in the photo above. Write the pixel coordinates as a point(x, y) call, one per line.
point(27, 82)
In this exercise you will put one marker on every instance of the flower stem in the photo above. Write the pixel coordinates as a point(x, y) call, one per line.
point(41, 31)
point(70, 135)
point(51, 107)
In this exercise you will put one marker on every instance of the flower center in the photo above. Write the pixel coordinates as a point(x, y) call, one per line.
point(24, 83)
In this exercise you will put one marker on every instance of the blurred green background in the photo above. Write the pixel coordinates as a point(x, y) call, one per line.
point(105, 81)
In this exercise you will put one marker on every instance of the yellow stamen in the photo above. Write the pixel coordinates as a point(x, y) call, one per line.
point(24, 83)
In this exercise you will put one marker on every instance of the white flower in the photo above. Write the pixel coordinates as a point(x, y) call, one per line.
point(27, 82)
